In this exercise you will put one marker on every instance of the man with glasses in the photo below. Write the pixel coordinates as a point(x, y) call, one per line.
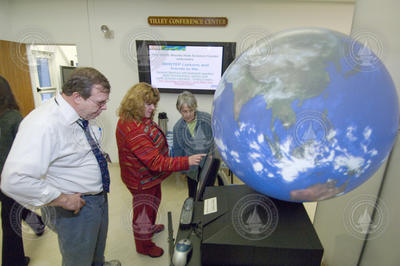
point(56, 163)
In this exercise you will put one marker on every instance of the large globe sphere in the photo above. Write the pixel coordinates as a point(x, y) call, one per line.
point(305, 115)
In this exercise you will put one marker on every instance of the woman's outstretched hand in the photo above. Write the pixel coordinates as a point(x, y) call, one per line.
point(196, 158)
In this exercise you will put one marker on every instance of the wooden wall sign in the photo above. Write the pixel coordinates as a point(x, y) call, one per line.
point(187, 21)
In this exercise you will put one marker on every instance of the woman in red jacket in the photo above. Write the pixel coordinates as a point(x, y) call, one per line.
point(144, 162)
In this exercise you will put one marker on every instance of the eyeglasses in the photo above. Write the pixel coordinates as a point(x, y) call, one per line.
point(99, 104)
point(190, 111)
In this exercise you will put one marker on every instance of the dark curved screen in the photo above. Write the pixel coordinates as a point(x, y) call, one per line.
point(207, 175)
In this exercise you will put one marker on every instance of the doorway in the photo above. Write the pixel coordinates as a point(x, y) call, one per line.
point(49, 66)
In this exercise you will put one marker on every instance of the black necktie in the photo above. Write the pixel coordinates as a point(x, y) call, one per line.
point(105, 175)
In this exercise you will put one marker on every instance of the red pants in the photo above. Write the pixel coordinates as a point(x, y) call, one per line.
point(145, 206)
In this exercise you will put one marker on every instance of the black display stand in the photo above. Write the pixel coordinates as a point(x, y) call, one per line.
point(216, 241)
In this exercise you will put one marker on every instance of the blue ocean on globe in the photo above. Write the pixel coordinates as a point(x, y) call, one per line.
point(305, 115)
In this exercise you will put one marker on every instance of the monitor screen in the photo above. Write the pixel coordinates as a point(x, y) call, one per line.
point(207, 174)
point(176, 66)
point(65, 73)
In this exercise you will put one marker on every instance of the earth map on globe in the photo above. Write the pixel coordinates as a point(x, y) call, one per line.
point(305, 115)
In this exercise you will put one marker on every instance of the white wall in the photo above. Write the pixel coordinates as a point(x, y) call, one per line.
point(341, 247)
point(378, 19)
point(78, 22)
point(4, 20)
point(383, 250)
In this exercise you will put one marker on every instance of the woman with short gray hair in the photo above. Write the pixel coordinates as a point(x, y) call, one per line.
point(186, 98)
point(192, 134)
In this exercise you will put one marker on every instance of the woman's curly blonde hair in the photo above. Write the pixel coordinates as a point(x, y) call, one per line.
point(132, 105)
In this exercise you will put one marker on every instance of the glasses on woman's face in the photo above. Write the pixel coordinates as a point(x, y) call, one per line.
point(186, 111)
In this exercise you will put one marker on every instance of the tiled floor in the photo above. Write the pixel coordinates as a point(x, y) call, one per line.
point(120, 244)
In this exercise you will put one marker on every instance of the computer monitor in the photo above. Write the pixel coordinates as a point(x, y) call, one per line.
point(207, 175)
point(65, 73)
point(175, 66)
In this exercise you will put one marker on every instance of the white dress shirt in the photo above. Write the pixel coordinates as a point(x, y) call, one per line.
point(50, 155)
